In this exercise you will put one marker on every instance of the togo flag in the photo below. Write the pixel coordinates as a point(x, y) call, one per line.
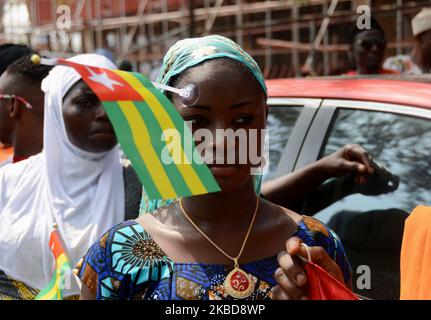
point(140, 114)
point(62, 270)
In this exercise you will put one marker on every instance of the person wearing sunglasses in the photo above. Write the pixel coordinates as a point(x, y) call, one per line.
point(8, 54)
point(367, 50)
point(21, 103)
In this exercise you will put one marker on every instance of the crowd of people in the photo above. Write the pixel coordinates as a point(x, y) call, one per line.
point(68, 170)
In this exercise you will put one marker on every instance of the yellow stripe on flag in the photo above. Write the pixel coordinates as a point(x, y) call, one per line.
point(61, 260)
point(54, 293)
point(186, 169)
point(142, 141)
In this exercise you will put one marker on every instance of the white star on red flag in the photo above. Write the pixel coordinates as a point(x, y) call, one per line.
point(103, 79)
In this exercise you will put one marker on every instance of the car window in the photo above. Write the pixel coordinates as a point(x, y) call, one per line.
point(370, 224)
point(281, 120)
point(401, 143)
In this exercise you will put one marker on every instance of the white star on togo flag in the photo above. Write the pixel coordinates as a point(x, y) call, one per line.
point(103, 79)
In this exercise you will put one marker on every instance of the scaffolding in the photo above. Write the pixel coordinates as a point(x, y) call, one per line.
point(282, 35)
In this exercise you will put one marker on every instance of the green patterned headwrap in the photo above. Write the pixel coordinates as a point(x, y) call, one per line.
point(188, 53)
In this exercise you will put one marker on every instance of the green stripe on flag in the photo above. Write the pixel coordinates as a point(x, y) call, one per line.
point(154, 127)
point(125, 137)
point(51, 292)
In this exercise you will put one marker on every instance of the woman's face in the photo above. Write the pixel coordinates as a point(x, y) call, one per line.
point(87, 124)
point(229, 98)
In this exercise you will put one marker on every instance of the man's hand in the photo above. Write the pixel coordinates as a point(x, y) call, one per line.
point(350, 159)
point(291, 277)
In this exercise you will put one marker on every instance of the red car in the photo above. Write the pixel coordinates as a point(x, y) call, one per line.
point(391, 119)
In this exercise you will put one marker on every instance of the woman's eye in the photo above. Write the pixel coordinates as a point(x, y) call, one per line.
point(86, 102)
point(244, 120)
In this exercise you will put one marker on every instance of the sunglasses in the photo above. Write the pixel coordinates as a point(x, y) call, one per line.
point(20, 99)
point(368, 45)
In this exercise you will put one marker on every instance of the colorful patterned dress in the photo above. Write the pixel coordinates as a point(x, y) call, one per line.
point(126, 263)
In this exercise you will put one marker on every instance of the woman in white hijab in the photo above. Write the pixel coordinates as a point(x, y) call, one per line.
point(74, 183)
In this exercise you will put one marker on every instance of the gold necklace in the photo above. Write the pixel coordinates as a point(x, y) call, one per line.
point(238, 283)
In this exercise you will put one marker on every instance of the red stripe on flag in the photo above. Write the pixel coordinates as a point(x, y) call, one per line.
point(107, 85)
point(55, 244)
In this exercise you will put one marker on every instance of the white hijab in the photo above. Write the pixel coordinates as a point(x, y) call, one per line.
point(82, 192)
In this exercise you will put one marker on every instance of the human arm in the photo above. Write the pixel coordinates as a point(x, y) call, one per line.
point(290, 190)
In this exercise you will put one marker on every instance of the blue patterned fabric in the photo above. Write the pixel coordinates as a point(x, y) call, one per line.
point(125, 263)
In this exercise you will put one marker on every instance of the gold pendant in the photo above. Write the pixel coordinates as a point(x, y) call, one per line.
point(238, 284)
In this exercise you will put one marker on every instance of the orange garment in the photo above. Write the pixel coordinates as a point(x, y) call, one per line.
point(415, 260)
point(5, 153)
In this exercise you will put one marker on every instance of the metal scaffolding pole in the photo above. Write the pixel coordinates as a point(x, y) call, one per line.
point(326, 39)
point(54, 36)
point(239, 22)
point(132, 31)
point(192, 18)
point(123, 29)
point(33, 18)
point(99, 31)
point(89, 36)
point(399, 22)
point(183, 23)
point(165, 23)
point(77, 20)
point(268, 35)
point(295, 38)
point(78, 10)
point(150, 30)
point(210, 22)
point(320, 35)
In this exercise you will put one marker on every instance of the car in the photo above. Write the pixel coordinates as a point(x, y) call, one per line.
point(310, 118)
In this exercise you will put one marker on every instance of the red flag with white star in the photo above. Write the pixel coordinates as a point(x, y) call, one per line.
point(108, 85)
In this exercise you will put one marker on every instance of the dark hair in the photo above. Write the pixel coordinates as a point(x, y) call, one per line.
point(11, 52)
point(354, 31)
point(26, 70)
point(125, 65)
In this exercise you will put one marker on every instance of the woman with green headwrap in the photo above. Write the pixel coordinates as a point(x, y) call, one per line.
point(222, 245)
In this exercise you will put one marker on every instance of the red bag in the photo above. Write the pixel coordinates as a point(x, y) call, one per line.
point(322, 285)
